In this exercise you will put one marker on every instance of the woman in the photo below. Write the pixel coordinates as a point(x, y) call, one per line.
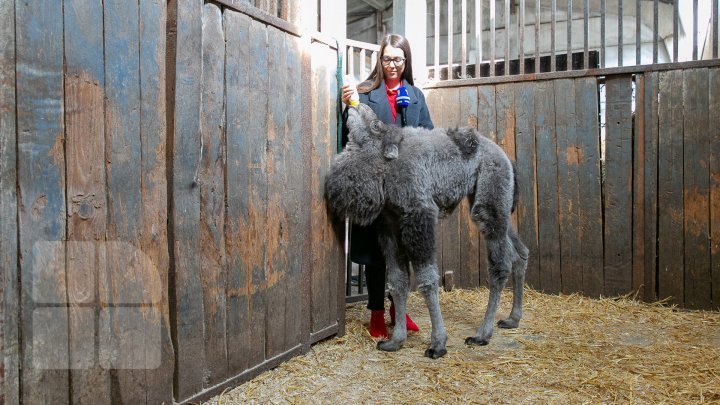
point(379, 91)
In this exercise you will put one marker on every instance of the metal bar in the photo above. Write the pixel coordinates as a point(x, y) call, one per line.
point(638, 42)
point(450, 32)
point(602, 33)
point(553, 24)
point(620, 33)
point(507, 37)
point(478, 37)
point(437, 40)
point(537, 36)
point(586, 33)
point(695, 30)
point(521, 37)
point(568, 64)
point(676, 31)
point(492, 38)
point(373, 61)
point(350, 60)
point(463, 40)
point(714, 28)
point(655, 30)
point(361, 279)
point(361, 55)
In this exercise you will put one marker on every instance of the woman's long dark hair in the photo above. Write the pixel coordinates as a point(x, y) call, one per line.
point(377, 76)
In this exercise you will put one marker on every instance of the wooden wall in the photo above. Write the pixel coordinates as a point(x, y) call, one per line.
point(635, 211)
point(163, 232)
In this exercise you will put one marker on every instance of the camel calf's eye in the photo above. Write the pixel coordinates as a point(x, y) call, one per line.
point(375, 126)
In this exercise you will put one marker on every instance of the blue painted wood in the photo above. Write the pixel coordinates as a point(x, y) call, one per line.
point(42, 210)
point(191, 362)
point(211, 177)
point(618, 186)
point(670, 196)
point(154, 232)
point(240, 175)
point(86, 193)
point(696, 188)
point(10, 292)
point(548, 245)
point(590, 199)
point(126, 272)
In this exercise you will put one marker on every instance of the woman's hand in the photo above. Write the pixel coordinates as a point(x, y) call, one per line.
point(347, 92)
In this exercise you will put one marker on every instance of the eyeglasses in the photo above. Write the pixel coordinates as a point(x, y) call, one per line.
point(386, 60)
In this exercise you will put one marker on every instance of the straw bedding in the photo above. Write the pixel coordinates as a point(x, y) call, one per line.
point(568, 349)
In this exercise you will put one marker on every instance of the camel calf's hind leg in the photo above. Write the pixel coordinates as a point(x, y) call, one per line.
point(518, 271)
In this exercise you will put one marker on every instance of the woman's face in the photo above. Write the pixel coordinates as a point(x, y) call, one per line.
point(393, 63)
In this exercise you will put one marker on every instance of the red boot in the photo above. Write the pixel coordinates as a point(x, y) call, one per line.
point(377, 324)
point(409, 323)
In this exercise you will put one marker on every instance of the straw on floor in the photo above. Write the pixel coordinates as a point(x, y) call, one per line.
point(568, 349)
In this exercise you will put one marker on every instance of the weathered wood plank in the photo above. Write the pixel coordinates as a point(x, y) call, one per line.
point(190, 357)
point(324, 270)
point(154, 228)
point(670, 185)
point(278, 241)
point(211, 179)
point(450, 229)
point(547, 188)
point(714, 134)
point(506, 113)
point(42, 209)
point(297, 153)
point(527, 178)
point(696, 191)
point(122, 351)
point(241, 172)
point(650, 238)
point(469, 232)
point(590, 198)
point(9, 291)
point(568, 158)
point(255, 157)
point(638, 188)
point(487, 126)
point(86, 227)
point(618, 185)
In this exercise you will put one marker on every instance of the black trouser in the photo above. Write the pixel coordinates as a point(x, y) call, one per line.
point(365, 250)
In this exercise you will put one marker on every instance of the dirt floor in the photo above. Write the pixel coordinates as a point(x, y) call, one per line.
point(568, 349)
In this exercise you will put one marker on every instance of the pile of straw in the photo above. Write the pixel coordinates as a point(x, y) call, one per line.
point(568, 349)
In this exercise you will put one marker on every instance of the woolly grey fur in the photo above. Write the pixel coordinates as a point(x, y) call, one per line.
point(407, 191)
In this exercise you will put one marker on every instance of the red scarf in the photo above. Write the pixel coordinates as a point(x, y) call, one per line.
point(392, 99)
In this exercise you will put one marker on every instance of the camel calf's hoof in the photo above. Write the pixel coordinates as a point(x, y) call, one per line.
point(473, 340)
point(508, 323)
point(435, 353)
point(388, 346)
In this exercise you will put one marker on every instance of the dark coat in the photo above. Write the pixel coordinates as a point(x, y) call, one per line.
point(365, 248)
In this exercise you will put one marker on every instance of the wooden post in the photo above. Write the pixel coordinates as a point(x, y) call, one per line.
point(409, 20)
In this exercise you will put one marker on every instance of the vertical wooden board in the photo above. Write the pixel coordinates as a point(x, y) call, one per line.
point(294, 191)
point(86, 227)
point(487, 126)
point(324, 269)
point(638, 188)
point(506, 120)
point(9, 292)
point(42, 210)
point(243, 168)
point(255, 232)
point(527, 178)
point(469, 232)
point(190, 347)
point(125, 264)
point(696, 192)
point(569, 159)
point(618, 192)
point(278, 205)
point(548, 215)
point(670, 185)
point(154, 228)
point(590, 197)
point(650, 109)
point(211, 179)
point(450, 230)
point(714, 134)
